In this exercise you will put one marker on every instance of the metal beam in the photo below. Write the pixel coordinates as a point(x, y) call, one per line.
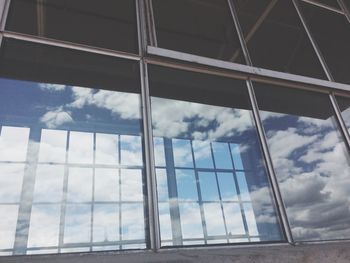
point(174, 57)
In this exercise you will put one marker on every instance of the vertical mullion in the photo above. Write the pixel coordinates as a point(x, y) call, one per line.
point(239, 32)
point(345, 9)
point(200, 200)
point(219, 192)
point(120, 193)
point(64, 197)
point(151, 24)
point(313, 42)
point(260, 129)
point(268, 161)
point(153, 217)
point(140, 28)
point(340, 120)
point(4, 9)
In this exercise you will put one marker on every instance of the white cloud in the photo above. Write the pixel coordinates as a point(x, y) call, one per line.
point(55, 118)
point(172, 118)
point(126, 105)
point(52, 87)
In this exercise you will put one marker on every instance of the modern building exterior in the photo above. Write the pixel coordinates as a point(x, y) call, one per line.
point(174, 130)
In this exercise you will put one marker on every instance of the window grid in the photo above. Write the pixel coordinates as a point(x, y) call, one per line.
point(91, 245)
point(229, 237)
point(338, 116)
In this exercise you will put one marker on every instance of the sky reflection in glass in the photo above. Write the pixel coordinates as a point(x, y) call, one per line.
point(83, 181)
point(203, 197)
point(310, 159)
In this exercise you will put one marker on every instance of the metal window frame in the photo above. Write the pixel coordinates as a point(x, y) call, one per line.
point(345, 9)
point(329, 8)
point(151, 54)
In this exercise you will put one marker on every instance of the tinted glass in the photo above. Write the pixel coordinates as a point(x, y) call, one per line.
point(203, 27)
point(71, 165)
point(276, 38)
point(310, 160)
point(105, 23)
point(332, 34)
point(211, 181)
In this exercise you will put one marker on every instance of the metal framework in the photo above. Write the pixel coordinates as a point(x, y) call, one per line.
point(149, 53)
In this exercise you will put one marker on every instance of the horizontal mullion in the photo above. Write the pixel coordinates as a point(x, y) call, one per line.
point(69, 45)
point(172, 58)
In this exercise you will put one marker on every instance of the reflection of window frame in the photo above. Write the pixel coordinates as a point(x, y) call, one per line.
point(195, 63)
point(175, 214)
point(27, 202)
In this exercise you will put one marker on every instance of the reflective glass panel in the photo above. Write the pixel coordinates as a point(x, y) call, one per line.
point(105, 23)
point(332, 34)
point(212, 184)
point(310, 159)
point(203, 27)
point(276, 38)
point(71, 161)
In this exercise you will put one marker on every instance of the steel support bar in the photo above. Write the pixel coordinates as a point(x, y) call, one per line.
point(345, 9)
point(340, 120)
point(329, 8)
point(313, 42)
point(269, 165)
point(154, 228)
point(254, 28)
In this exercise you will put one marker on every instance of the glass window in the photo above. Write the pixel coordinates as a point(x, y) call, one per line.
point(213, 186)
point(332, 34)
point(310, 159)
point(206, 28)
point(276, 39)
point(71, 161)
point(105, 23)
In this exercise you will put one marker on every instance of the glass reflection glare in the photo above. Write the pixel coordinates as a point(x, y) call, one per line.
point(310, 160)
point(212, 186)
point(71, 169)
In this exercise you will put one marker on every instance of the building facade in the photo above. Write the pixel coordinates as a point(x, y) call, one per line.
point(180, 131)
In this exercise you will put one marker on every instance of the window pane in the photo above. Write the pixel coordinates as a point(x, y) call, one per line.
point(8, 222)
point(44, 226)
point(49, 183)
point(332, 34)
point(13, 143)
point(107, 23)
point(77, 224)
point(310, 160)
point(276, 38)
point(206, 28)
point(214, 164)
point(71, 156)
point(53, 145)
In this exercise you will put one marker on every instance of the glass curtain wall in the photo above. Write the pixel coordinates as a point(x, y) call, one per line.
point(310, 158)
point(71, 159)
point(211, 180)
point(72, 162)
